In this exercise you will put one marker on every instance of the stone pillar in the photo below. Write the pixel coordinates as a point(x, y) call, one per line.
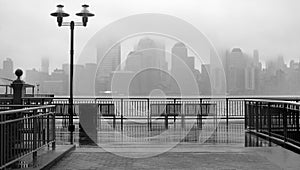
point(18, 86)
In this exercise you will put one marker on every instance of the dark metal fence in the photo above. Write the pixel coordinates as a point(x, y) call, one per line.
point(120, 109)
point(25, 131)
point(275, 118)
point(140, 107)
point(125, 108)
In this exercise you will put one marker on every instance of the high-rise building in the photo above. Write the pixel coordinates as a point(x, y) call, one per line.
point(33, 77)
point(106, 65)
point(250, 78)
point(8, 68)
point(183, 70)
point(236, 64)
point(255, 57)
point(57, 83)
point(148, 62)
point(45, 65)
point(88, 78)
point(179, 57)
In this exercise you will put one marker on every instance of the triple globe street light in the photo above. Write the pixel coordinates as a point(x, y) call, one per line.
point(60, 14)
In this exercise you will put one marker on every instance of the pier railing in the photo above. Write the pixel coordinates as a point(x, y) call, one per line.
point(279, 119)
point(25, 131)
point(226, 107)
point(148, 108)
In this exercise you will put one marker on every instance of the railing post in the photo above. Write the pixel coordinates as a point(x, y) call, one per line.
point(284, 121)
point(246, 114)
point(34, 154)
point(48, 129)
point(269, 117)
point(148, 114)
point(297, 119)
point(53, 131)
point(227, 110)
point(121, 114)
point(256, 116)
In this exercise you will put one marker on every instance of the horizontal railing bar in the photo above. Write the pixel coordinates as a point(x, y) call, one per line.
point(25, 109)
point(19, 105)
point(272, 101)
point(175, 97)
point(24, 118)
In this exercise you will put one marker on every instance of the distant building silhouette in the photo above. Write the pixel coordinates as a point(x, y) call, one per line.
point(183, 69)
point(106, 65)
point(149, 64)
point(8, 68)
point(45, 65)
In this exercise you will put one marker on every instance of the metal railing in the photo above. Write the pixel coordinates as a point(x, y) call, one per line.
point(125, 108)
point(128, 108)
point(279, 119)
point(25, 131)
point(139, 107)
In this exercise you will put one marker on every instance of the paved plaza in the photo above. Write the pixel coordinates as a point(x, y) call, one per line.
point(184, 157)
point(228, 148)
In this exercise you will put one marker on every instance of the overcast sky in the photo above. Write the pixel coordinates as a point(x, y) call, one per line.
point(28, 32)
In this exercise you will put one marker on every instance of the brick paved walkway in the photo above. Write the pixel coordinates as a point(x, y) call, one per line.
point(167, 161)
point(248, 158)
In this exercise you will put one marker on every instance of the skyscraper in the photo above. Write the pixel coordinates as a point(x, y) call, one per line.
point(183, 70)
point(106, 65)
point(8, 68)
point(236, 64)
point(148, 62)
point(45, 65)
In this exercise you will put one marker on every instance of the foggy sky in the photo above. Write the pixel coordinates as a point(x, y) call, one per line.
point(28, 32)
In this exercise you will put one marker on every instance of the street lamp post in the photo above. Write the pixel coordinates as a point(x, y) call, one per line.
point(60, 14)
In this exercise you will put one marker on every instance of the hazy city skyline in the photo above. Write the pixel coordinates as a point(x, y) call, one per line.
point(244, 73)
point(271, 26)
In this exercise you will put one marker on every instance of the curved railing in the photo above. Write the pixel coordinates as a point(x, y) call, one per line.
point(275, 118)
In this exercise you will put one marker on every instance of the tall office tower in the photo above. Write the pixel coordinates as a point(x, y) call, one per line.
point(257, 72)
point(250, 78)
point(183, 70)
point(179, 60)
point(56, 84)
point(179, 56)
point(89, 79)
point(216, 74)
point(152, 53)
point(205, 85)
point(8, 68)
point(33, 77)
point(148, 62)
point(236, 64)
point(256, 57)
point(45, 65)
point(280, 63)
point(106, 65)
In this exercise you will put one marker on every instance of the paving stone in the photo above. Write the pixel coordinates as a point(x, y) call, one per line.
point(167, 160)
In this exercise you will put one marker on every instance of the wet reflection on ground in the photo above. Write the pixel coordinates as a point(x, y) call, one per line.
point(136, 132)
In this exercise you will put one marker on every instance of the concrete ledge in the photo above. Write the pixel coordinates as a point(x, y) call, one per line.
point(52, 158)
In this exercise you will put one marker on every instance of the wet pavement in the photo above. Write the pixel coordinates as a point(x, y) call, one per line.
point(227, 147)
point(272, 158)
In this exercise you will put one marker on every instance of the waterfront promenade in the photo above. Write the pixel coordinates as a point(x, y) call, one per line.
point(229, 147)
point(221, 136)
point(186, 157)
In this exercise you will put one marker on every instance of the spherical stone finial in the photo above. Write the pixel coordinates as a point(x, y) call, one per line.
point(18, 73)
